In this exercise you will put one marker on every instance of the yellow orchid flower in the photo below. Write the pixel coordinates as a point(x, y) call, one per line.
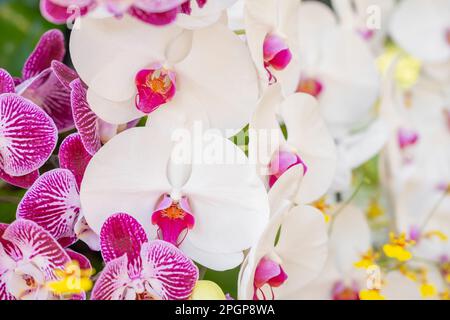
point(367, 260)
point(396, 248)
point(371, 295)
point(72, 280)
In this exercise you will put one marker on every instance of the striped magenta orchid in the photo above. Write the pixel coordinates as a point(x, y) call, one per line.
point(30, 259)
point(41, 80)
point(28, 137)
point(139, 269)
point(53, 201)
point(192, 13)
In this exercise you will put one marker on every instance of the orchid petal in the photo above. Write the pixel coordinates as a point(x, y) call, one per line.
point(420, 29)
point(122, 235)
point(73, 156)
point(113, 280)
point(52, 96)
point(50, 47)
point(308, 134)
point(27, 137)
point(24, 182)
point(6, 82)
point(53, 203)
point(86, 121)
point(38, 246)
point(166, 264)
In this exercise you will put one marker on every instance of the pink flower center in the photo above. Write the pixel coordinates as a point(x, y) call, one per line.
point(174, 219)
point(270, 273)
point(281, 162)
point(310, 86)
point(407, 138)
point(414, 233)
point(276, 52)
point(366, 33)
point(342, 292)
point(155, 87)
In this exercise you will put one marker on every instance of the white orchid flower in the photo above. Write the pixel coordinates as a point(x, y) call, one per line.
point(280, 270)
point(337, 67)
point(349, 240)
point(422, 28)
point(308, 143)
point(368, 18)
point(138, 68)
point(188, 13)
point(188, 201)
point(271, 28)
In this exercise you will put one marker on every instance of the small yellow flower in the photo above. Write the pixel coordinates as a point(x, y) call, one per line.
point(371, 295)
point(396, 248)
point(72, 280)
point(207, 290)
point(407, 70)
point(428, 290)
point(445, 295)
point(436, 233)
point(374, 210)
point(324, 207)
point(368, 259)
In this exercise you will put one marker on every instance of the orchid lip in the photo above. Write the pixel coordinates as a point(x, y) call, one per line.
point(174, 219)
point(282, 162)
point(268, 272)
point(407, 138)
point(276, 52)
point(341, 291)
point(311, 86)
point(366, 33)
point(155, 87)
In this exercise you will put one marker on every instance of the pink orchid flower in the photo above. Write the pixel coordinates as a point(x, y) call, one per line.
point(41, 80)
point(53, 202)
point(29, 259)
point(28, 137)
point(138, 269)
point(154, 12)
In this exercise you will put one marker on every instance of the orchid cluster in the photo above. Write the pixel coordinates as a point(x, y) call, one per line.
point(306, 146)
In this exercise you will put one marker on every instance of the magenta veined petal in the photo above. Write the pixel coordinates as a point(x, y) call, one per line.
point(167, 264)
point(111, 284)
point(50, 47)
point(37, 245)
point(59, 14)
point(74, 156)
point(122, 235)
point(7, 84)
point(64, 74)
point(53, 202)
point(24, 182)
point(158, 5)
point(86, 121)
point(83, 262)
point(49, 93)
point(155, 18)
point(28, 135)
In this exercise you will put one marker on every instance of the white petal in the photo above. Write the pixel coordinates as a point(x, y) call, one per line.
point(361, 147)
point(212, 260)
point(126, 175)
point(349, 77)
point(228, 90)
point(111, 111)
point(228, 219)
point(202, 17)
point(308, 134)
point(350, 238)
point(420, 28)
point(302, 248)
point(125, 40)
